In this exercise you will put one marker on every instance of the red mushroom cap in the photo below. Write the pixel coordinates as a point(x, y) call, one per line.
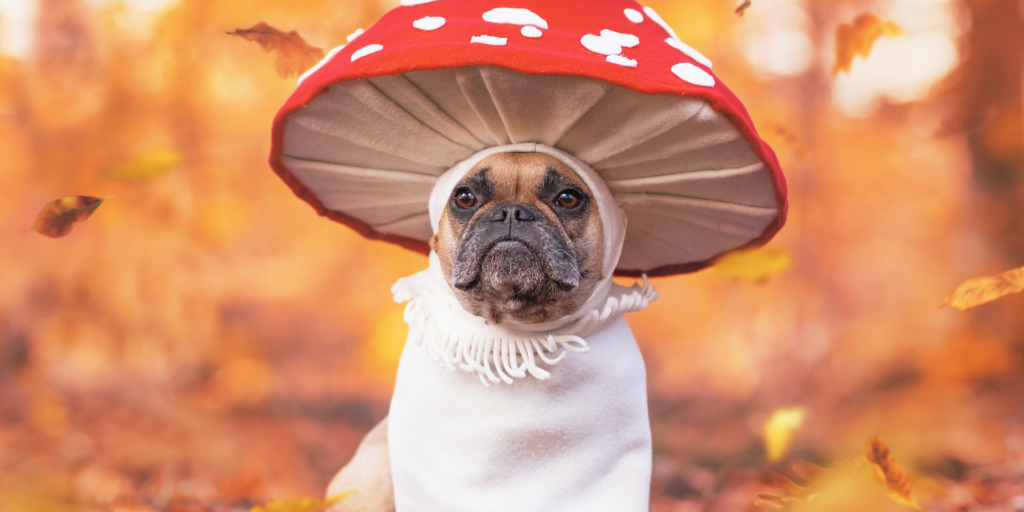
point(368, 130)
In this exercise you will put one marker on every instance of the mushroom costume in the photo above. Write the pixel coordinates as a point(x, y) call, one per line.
point(528, 417)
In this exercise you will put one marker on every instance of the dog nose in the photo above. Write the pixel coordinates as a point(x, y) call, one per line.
point(518, 212)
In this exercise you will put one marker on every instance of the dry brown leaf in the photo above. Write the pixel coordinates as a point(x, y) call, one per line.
point(769, 500)
point(892, 475)
point(294, 54)
point(743, 7)
point(808, 471)
point(300, 505)
point(59, 217)
point(857, 38)
point(792, 490)
point(979, 290)
point(818, 478)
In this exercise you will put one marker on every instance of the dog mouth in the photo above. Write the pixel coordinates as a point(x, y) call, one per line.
point(514, 262)
point(510, 267)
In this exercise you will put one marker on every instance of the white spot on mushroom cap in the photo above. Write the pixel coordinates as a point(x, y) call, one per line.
point(531, 31)
point(598, 44)
point(657, 19)
point(416, 2)
point(355, 34)
point(429, 23)
point(626, 40)
point(620, 60)
point(323, 61)
point(688, 51)
point(694, 75)
point(512, 16)
point(633, 15)
point(366, 50)
point(491, 40)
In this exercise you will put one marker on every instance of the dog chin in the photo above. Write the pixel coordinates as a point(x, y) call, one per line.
point(514, 283)
point(511, 268)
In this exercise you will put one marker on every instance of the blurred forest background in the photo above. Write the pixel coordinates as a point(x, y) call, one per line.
point(206, 342)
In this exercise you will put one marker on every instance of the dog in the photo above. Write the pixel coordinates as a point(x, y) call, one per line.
point(520, 240)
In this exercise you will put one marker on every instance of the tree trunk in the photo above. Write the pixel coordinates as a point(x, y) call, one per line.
point(990, 93)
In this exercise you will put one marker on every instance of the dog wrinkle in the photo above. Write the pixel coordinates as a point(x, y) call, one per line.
point(554, 263)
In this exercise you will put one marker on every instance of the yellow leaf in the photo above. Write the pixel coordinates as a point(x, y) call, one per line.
point(754, 266)
point(301, 504)
point(59, 217)
point(294, 54)
point(857, 39)
point(145, 166)
point(890, 473)
point(779, 429)
point(979, 290)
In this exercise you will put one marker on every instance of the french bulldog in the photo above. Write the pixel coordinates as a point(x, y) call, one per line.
point(520, 240)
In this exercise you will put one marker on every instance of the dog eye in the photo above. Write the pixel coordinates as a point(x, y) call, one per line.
point(567, 199)
point(464, 198)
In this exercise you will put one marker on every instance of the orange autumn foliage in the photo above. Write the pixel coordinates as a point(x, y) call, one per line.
point(211, 344)
point(857, 39)
point(890, 473)
point(980, 290)
point(294, 54)
point(59, 217)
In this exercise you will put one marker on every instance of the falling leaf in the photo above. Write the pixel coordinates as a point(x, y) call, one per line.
point(892, 475)
point(857, 38)
point(754, 266)
point(979, 290)
point(294, 54)
point(743, 7)
point(779, 429)
point(59, 217)
point(775, 132)
point(145, 166)
point(300, 505)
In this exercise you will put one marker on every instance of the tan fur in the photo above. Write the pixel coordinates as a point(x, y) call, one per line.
point(516, 177)
point(367, 475)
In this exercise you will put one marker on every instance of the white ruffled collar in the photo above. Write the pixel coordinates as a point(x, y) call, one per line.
point(460, 340)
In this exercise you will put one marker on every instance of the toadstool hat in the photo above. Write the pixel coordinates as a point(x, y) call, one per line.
point(369, 130)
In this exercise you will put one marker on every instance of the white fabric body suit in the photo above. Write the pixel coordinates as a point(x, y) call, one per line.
point(493, 418)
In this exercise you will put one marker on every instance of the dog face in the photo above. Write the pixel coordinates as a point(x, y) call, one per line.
point(520, 238)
